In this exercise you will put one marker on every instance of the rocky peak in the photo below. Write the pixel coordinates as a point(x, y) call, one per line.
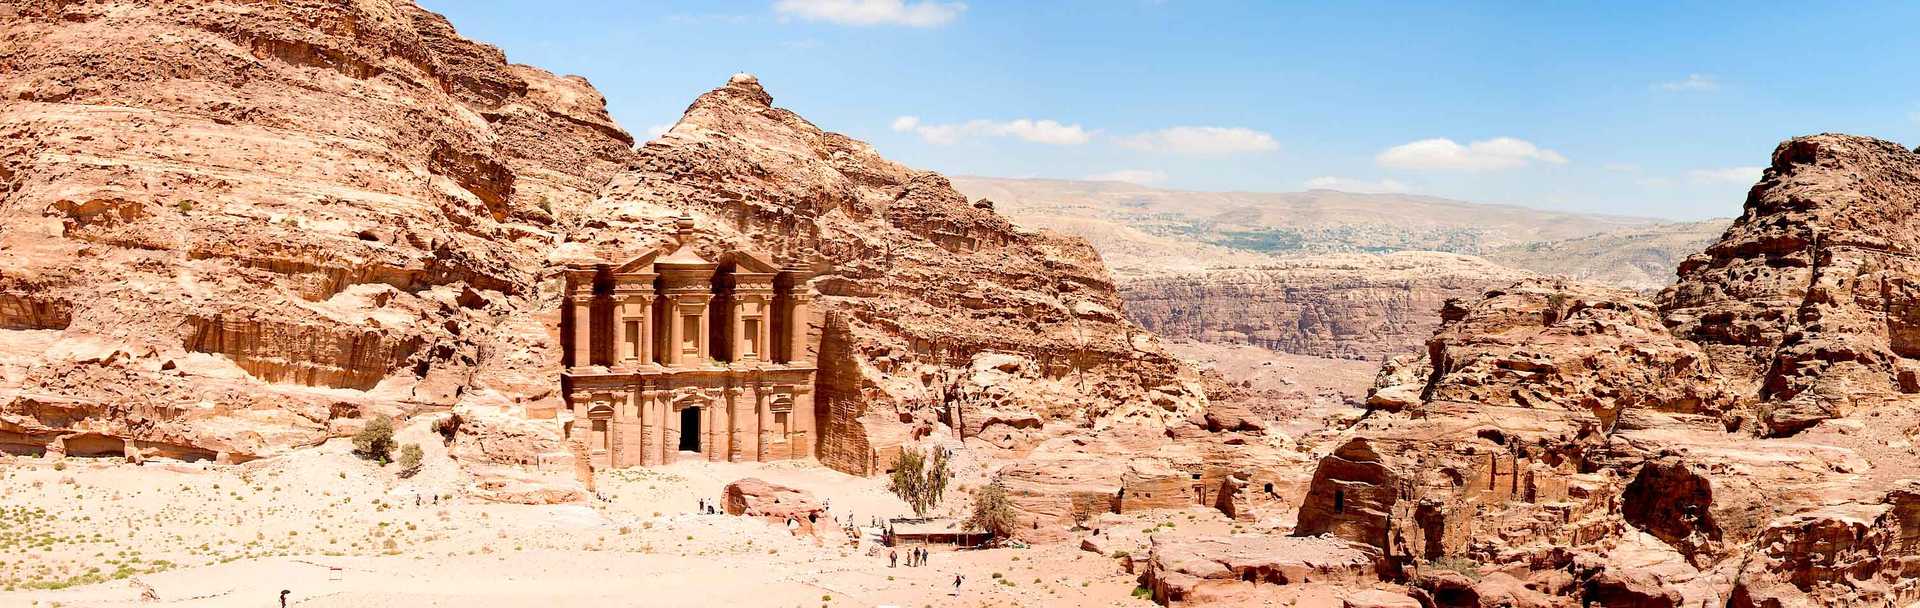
point(1552, 425)
point(1805, 303)
point(917, 281)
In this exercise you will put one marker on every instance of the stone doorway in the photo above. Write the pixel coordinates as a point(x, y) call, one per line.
point(690, 429)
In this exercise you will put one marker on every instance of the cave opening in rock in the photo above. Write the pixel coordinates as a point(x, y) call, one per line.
point(96, 446)
point(690, 429)
point(1672, 503)
point(1339, 501)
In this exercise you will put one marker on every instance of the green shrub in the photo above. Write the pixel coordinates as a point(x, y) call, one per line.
point(375, 442)
point(410, 456)
point(992, 511)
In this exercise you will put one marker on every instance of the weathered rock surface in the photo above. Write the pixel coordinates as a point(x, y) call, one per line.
point(1195, 571)
point(1743, 457)
point(1377, 598)
point(224, 225)
point(1349, 306)
point(526, 490)
point(935, 313)
point(266, 212)
point(1807, 302)
point(773, 502)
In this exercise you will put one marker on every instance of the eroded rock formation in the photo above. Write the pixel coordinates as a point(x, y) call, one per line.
point(1738, 443)
point(225, 226)
point(1348, 306)
point(773, 502)
point(228, 209)
point(933, 312)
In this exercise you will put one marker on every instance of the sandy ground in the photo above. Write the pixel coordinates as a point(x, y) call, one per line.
point(339, 531)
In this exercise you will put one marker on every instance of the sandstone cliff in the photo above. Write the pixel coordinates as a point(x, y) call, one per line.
point(1745, 441)
point(225, 224)
point(235, 227)
point(1351, 306)
point(936, 313)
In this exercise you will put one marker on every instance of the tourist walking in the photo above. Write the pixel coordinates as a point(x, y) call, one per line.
point(893, 558)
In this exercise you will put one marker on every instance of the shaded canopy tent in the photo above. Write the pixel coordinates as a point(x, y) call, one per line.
point(934, 531)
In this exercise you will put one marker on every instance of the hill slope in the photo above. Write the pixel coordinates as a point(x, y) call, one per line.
point(232, 229)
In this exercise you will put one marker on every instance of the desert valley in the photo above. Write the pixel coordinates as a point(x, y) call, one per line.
point(320, 303)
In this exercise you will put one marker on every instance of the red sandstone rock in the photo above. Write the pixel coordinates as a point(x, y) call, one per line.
point(1376, 598)
point(312, 194)
point(1347, 306)
point(350, 196)
point(1564, 427)
point(1805, 302)
point(773, 502)
point(1187, 570)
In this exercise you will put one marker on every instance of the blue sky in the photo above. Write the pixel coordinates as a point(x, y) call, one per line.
point(1660, 109)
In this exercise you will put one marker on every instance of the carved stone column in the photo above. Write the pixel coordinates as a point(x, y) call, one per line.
point(649, 425)
point(670, 356)
point(797, 326)
point(801, 420)
point(763, 408)
point(663, 407)
point(644, 316)
point(580, 302)
point(710, 427)
point(735, 447)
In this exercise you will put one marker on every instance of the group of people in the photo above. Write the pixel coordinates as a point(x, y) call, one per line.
point(707, 508)
point(916, 557)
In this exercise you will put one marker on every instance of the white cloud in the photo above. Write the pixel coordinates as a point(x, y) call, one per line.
point(656, 131)
point(1036, 131)
point(1694, 82)
point(1729, 175)
point(1485, 155)
point(1205, 141)
point(1144, 177)
point(1344, 184)
point(926, 13)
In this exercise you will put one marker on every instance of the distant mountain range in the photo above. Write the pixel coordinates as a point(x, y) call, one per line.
point(1329, 273)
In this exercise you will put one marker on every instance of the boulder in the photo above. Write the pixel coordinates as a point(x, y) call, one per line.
point(1182, 569)
point(1376, 598)
point(525, 490)
point(753, 497)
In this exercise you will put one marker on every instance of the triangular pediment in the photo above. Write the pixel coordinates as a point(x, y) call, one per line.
point(640, 263)
point(748, 261)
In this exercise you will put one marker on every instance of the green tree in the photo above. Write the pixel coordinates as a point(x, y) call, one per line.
point(992, 511)
point(410, 456)
point(375, 441)
point(920, 479)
